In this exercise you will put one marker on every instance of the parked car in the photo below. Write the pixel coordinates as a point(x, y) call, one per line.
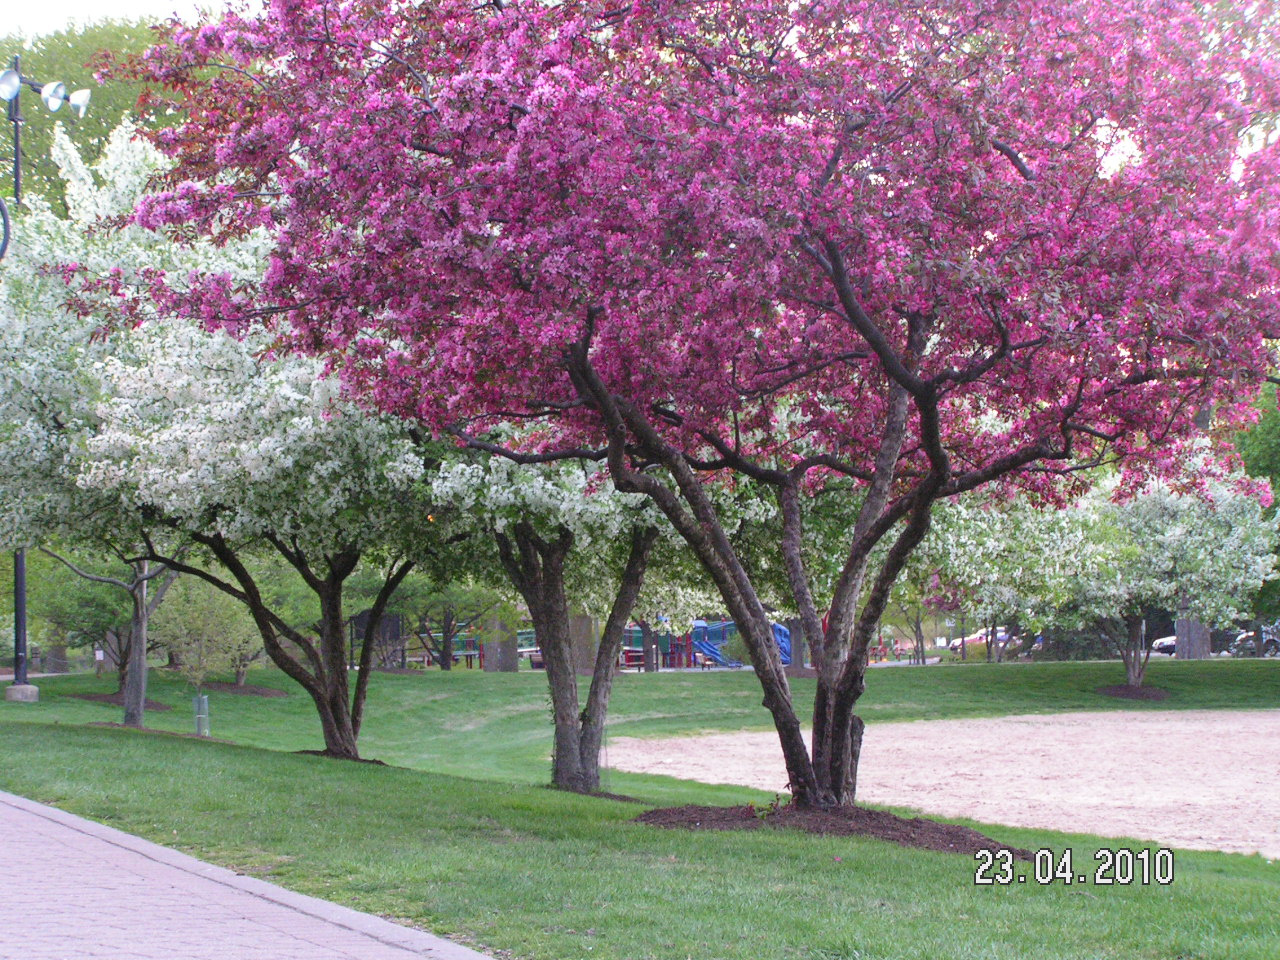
point(1245, 645)
point(1167, 645)
point(1239, 644)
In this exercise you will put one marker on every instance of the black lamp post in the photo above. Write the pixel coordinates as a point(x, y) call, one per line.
point(54, 95)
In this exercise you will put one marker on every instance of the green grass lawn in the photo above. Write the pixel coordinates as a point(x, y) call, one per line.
point(498, 726)
point(459, 837)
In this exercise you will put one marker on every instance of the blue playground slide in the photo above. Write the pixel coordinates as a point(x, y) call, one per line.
point(709, 638)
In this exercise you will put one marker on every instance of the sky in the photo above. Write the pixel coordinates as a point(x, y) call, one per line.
point(31, 18)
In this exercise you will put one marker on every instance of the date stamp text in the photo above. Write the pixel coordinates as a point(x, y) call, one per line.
point(1121, 868)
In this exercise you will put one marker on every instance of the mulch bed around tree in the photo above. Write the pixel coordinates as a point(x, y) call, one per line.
point(1126, 692)
point(841, 821)
point(117, 699)
point(246, 690)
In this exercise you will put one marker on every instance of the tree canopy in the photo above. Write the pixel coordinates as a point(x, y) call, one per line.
point(920, 248)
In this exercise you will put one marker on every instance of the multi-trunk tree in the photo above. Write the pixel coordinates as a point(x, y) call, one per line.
point(564, 548)
point(244, 455)
point(917, 248)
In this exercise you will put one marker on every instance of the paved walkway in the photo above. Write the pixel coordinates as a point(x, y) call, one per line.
point(71, 889)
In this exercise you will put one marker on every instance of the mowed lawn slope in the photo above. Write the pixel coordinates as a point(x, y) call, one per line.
point(466, 843)
point(498, 726)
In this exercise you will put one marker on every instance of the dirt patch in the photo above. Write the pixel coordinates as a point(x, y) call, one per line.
point(1196, 779)
point(1126, 692)
point(117, 699)
point(246, 690)
point(841, 822)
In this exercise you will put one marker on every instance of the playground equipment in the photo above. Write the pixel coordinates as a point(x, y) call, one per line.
point(709, 640)
point(703, 644)
point(673, 651)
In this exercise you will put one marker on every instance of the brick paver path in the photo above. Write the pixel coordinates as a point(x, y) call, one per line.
point(71, 889)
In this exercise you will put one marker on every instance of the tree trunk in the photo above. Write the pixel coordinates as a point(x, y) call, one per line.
point(567, 771)
point(837, 730)
point(597, 707)
point(1193, 639)
point(322, 668)
point(120, 653)
point(536, 569)
point(110, 658)
point(1134, 652)
point(135, 680)
point(333, 696)
point(327, 686)
point(917, 622)
point(651, 653)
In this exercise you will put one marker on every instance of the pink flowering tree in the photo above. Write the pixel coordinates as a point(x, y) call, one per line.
point(896, 250)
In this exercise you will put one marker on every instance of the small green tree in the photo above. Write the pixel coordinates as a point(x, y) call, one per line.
point(437, 611)
point(1208, 551)
point(209, 631)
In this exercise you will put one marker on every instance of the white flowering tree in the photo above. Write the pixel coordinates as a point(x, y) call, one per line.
point(1007, 560)
point(241, 452)
point(48, 360)
point(567, 541)
point(48, 353)
point(1107, 559)
point(163, 434)
point(1205, 550)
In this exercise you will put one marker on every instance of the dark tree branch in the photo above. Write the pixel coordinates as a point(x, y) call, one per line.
point(1012, 155)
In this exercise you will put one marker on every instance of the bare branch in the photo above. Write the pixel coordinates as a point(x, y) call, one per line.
point(1018, 163)
point(113, 581)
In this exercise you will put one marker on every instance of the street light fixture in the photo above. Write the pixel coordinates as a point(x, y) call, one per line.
point(53, 94)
